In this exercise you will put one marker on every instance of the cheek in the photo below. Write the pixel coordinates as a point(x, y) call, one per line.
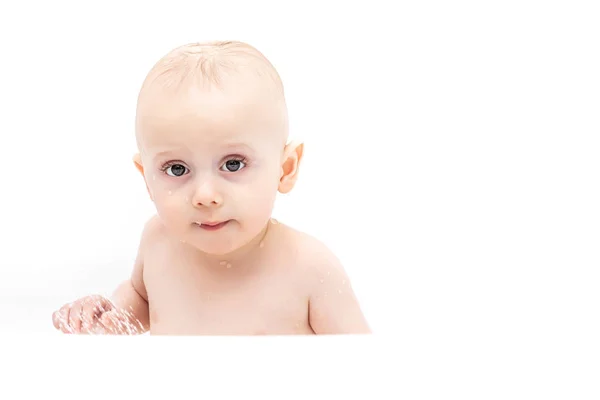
point(262, 203)
point(169, 204)
point(162, 190)
point(258, 201)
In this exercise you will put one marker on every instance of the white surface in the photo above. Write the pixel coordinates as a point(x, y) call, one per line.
point(451, 162)
point(369, 367)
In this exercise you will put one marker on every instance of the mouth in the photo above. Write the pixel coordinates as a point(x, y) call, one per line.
point(212, 226)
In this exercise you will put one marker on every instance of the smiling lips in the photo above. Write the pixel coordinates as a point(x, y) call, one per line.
point(212, 226)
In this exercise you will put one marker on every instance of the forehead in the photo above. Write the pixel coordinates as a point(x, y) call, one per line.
point(208, 118)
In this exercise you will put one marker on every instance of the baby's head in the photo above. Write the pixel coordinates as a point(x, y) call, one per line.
point(212, 132)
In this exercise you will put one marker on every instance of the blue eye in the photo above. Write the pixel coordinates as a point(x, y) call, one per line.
point(176, 170)
point(233, 165)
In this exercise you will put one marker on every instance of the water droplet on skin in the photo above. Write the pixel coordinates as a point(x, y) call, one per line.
point(273, 221)
point(223, 262)
point(187, 199)
point(343, 282)
point(153, 177)
point(328, 273)
point(228, 265)
point(322, 280)
point(340, 291)
point(170, 193)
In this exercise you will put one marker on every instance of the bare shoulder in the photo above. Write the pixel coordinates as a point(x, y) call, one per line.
point(333, 305)
point(153, 229)
point(315, 257)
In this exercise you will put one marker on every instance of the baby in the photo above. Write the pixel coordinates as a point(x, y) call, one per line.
point(212, 133)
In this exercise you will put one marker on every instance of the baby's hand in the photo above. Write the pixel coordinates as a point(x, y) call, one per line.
point(95, 315)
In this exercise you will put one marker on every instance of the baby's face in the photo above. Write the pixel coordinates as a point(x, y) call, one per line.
point(212, 158)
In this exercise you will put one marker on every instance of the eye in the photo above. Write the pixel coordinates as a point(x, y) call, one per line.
point(234, 165)
point(175, 170)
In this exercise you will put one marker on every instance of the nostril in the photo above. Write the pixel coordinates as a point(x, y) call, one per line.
point(208, 203)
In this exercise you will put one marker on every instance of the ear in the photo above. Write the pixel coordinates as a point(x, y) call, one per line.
point(137, 161)
point(292, 155)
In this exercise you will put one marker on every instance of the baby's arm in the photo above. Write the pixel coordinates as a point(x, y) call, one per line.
point(131, 295)
point(333, 306)
point(125, 312)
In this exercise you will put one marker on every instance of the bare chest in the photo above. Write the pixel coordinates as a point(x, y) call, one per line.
point(187, 299)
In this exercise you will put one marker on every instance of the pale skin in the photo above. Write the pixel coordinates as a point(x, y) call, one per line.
point(220, 155)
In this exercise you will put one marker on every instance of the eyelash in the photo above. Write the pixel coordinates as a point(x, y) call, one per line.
point(239, 158)
point(169, 164)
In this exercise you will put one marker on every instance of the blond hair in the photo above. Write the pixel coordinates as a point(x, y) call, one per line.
point(209, 63)
point(206, 65)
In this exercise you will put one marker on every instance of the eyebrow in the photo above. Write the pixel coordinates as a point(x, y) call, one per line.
point(165, 153)
point(239, 145)
point(228, 146)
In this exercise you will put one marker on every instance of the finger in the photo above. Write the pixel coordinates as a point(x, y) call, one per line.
point(75, 317)
point(98, 329)
point(117, 323)
point(110, 322)
point(92, 308)
point(63, 318)
point(56, 319)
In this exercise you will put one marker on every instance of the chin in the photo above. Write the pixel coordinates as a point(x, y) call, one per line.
point(219, 243)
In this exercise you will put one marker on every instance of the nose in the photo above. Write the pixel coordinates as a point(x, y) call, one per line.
point(206, 195)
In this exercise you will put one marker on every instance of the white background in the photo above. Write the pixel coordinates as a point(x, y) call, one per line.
point(451, 162)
